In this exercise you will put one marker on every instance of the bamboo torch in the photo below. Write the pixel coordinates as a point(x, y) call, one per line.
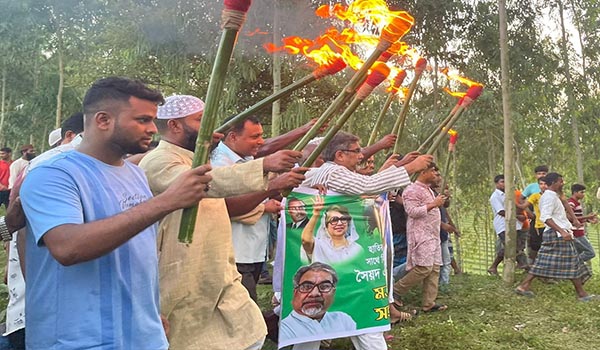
point(322, 71)
point(442, 126)
point(472, 94)
point(233, 17)
point(398, 79)
point(379, 73)
point(391, 33)
point(451, 148)
point(399, 125)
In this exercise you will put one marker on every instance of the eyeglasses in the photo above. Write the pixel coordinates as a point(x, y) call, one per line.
point(337, 220)
point(323, 287)
point(356, 150)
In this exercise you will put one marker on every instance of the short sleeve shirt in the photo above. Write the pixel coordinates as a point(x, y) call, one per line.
point(106, 303)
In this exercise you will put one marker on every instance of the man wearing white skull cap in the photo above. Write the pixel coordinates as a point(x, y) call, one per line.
point(201, 292)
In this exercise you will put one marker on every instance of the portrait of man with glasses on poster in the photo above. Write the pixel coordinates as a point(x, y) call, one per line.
point(314, 293)
point(334, 282)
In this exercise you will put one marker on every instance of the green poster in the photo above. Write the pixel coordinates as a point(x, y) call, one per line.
point(334, 278)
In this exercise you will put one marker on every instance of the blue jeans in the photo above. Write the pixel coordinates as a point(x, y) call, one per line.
point(584, 248)
point(446, 261)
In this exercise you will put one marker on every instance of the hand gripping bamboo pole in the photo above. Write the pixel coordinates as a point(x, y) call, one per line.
point(233, 17)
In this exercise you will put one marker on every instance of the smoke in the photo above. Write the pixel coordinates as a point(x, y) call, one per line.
point(193, 27)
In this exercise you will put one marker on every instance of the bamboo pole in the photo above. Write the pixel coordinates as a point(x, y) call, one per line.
point(398, 80)
point(442, 126)
point(317, 74)
point(472, 94)
point(397, 28)
point(234, 15)
point(379, 73)
point(451, 145)
point(399, 125)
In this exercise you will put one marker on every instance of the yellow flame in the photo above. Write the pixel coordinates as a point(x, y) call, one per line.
point(327, 47)
point(454, 75)
point(374, 12)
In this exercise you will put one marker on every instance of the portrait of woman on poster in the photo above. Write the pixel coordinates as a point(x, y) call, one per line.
point(335, 240)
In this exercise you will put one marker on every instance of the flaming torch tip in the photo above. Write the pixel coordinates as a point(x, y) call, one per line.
point(397, 28)
point(474, 91)
point(421, 64)
point(335, 66)
point(380, 72)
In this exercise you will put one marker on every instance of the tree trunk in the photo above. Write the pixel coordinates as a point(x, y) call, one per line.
point(577, 19)
point(571, 109)
point(61, 77)
point(510, 244)
point(276, 107)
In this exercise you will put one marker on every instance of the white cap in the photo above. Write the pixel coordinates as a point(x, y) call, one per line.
point(179, 106)
point(54, 137)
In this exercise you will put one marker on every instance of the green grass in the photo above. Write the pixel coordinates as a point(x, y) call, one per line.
point(485, 314)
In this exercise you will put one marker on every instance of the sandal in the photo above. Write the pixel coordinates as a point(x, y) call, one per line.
point(404, 316)
point(525, 293)
point(492, 272)
point(437, 307)
point(398, 304)
point(587, 298)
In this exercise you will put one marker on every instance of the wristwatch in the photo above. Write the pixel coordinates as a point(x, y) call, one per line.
point(6, 236)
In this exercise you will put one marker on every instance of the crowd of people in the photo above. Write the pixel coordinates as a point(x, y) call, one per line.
point(92, 226)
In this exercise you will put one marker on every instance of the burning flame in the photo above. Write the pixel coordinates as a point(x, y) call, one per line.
point(327, 47)
point(359, 37)
point(454, 75)
point(367, 12)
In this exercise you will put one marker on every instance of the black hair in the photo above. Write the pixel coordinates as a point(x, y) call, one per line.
point(74, 124)
point(552, 178)
point(498, 178)
point(542, 179)
point(117, 89)
point(539, 168)
point(577, 188)
point(239, 126)
point(6, 149)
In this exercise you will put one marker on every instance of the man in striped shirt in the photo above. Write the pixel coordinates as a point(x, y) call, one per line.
point(342, 156)
point(583, 245)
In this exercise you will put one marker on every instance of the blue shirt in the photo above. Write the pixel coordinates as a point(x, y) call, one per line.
point(532, 188)
point(107, 303)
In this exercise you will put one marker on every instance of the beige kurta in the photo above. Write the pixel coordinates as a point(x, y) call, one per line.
point(201, 292)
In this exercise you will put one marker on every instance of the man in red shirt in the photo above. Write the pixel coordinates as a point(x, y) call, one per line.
point(5, 160)
point(583, 245)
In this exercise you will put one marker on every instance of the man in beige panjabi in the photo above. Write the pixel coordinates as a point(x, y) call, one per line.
point(201, 293)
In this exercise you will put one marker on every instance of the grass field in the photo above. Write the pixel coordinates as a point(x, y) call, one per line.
point(485, 314)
